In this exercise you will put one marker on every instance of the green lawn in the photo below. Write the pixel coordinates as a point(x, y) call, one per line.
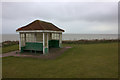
point(10, 48)
point(81, 61)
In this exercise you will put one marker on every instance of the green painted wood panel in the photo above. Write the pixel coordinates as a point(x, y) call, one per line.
point(32, 46)
point(54, 43)
point(46, 50)
point(22, 49)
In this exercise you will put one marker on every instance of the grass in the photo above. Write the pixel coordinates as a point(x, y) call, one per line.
point(81, 61)
point(10, 48)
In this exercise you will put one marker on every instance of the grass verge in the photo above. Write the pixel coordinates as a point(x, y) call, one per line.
point(80, 61)
point(9, 48)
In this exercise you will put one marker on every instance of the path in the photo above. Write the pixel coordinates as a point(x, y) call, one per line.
point(53, 53)
point(8, 54)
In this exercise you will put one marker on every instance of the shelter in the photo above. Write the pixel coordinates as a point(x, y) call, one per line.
point(39, 36)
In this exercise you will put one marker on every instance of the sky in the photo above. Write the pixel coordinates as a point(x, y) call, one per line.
point(73, 17)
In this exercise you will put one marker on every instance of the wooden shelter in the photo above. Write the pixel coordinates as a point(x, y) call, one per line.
point(39, 36)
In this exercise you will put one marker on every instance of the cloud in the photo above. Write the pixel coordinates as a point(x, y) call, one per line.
point(86, 16)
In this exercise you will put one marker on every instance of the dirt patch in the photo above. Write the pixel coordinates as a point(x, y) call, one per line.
point(53, 53)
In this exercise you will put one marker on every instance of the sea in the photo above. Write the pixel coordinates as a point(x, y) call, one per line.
point(15, 37)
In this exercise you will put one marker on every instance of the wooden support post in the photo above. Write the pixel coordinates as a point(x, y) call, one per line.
point(50, 36)
point(25, 38)
point(35, 37)
point(43, 43)
point(20, 41)
point(48, 42)
point(60, 40)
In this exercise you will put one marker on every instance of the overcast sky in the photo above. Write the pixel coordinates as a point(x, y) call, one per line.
point(73, 17)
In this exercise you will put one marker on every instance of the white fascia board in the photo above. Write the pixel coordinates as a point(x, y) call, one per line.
point(40, 31)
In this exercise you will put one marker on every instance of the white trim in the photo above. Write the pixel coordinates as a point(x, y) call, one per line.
point(43, 43)
point(39, 31)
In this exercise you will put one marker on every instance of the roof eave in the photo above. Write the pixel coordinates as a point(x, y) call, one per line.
point(38, 31)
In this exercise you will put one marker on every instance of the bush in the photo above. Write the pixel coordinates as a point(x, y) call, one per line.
point(9, 43)
point(89, 41)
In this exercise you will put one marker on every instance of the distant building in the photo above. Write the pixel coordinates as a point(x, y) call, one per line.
point(39, 36)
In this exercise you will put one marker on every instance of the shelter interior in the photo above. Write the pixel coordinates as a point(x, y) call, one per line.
point(40, 41)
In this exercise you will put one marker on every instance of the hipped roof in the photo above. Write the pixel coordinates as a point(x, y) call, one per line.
point(40, 25)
